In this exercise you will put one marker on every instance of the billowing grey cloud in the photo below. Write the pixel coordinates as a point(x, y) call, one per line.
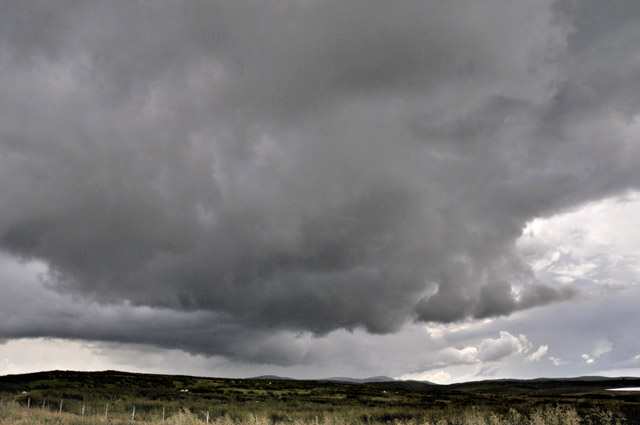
point(245, 168)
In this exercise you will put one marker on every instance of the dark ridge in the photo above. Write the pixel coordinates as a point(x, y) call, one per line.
point(272, 377)
point(548, 386)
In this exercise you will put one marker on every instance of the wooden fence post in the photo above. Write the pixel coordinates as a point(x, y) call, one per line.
point(162, 413)
point(83, 409)
point(60, 411)
point(44, 400)
point(29, 402)
point(133, 413)
point(106, 411)
point(207, 416)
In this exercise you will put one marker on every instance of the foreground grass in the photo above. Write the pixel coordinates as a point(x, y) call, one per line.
point(19, 415)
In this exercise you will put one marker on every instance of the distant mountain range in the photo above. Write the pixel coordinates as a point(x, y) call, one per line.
point(273, 378)
point(471, 384)
point(371, 380)
point(489, 385)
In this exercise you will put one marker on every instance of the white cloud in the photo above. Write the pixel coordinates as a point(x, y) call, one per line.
point(556, 361)
point(602, 347)
point(506, 345)
point(536, 356)
point(439, 331)
point(579, 269)
point(489, 350)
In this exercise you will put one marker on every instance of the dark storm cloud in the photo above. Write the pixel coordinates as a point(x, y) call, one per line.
point(29, 309)
point(304, 165)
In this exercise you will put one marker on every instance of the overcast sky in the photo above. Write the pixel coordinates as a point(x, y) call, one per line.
point(420, 189)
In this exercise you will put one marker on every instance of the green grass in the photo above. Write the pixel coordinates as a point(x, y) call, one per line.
point(262, 402)
point(15, 415)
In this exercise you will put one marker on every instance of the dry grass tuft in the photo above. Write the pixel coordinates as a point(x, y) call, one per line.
point(18, 415)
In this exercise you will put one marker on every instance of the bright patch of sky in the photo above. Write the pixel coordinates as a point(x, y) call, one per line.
point(596, 245)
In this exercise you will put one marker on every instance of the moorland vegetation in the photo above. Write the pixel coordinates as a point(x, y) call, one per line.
point(68, 398)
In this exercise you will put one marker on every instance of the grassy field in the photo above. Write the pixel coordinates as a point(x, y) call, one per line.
point(12, 415)
point(36, 398)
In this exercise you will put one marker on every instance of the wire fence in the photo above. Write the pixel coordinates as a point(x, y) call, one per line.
point(117, 410)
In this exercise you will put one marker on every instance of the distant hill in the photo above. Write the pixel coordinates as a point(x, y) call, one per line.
point(547, 386)
point(57, 383)
point(373, 379)
point(272, 378)
point(578, 378)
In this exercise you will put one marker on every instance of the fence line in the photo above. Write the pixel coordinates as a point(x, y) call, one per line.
point(85, 410)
